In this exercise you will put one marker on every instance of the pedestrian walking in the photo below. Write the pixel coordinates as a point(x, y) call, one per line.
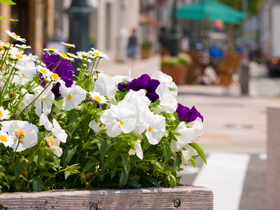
point(132, 48)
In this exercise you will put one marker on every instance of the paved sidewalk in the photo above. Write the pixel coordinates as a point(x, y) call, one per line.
point(233, 123)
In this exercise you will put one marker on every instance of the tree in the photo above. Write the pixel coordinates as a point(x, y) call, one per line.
point(253, 5)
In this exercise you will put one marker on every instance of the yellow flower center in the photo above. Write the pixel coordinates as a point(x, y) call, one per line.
point(162, 106)
point(121, 122)
point(23, 76)
point(149, 129)
point(111, 76)
point(55, 76)
point(15, 35)
point(3, 138)
point(99, 50)
point(18, 56)
point(43, 71)
point(63, 55)
point(43, 99)
point(20, 133)
point(7, 43)
point(97, 98)
point(1, 114)
point(50, 141)
point(96, 53)
point(69, 97)
point(51, 48)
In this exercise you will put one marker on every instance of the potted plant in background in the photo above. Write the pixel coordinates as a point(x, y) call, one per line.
point(145, 48)
point(176, 67)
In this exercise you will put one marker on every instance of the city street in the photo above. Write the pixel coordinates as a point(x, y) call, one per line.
point(234, 138)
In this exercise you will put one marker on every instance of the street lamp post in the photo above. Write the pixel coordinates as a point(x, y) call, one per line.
point(174, 36)
point(79, 13)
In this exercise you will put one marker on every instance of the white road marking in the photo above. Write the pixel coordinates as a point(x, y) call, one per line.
point(224, 174)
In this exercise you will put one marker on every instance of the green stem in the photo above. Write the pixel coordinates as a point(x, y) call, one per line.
point(97, 63)
point(6, 53)
point(55, 174)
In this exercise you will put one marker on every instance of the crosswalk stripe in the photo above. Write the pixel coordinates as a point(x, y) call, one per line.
point(224, 174)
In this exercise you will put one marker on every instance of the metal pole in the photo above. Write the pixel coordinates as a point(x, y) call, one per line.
point(79, 13)
point(174, 36)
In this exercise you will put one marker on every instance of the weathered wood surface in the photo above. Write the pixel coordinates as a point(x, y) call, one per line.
point(273, 160)
point(191, 198)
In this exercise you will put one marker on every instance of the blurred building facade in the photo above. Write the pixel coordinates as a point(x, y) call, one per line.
point(35, 21)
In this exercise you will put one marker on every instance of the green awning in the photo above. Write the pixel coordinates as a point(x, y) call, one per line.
point(211, 10)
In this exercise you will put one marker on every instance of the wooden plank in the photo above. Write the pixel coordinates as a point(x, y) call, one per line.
point(273, 159)
point(191, 198)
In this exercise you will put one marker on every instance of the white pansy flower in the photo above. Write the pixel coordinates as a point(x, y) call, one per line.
point(197, 127)
point(72, 96)
point(106, 86)
point(138, 150)
point(155, 125)
point(26, 72)
point(46, 99)
point(54, 145)
point(166, 80)
point(56, 129)
point(118, 119)
point(96, 126)
point(187, 154)
point(4, 114)
point(5, 139)
point(97, 97)
point(24, 133)
point(14, 36)
point(167, 100)
point(186, 137)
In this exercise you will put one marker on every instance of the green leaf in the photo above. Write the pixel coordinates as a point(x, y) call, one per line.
point(151, 180)
point(48, 174)
point(67, 174)
point(68, 153)
point(89, 164)
point(37, 184)
point(193, 159)
point(171, 89)
point(114, 172)
point(19, 166)
point(123, 179)
point(58, 102)
point(126, 163)
point(10, 2)
point(199, 151)
point(10, 19)
point(109, 159)
point(104, 148)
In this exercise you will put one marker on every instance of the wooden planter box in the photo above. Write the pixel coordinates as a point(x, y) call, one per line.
point(178, 73)
point(145, 53)
point(185, 197)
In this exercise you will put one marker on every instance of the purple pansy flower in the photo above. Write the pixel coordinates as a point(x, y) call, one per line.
point(145, 82)
point(187, 114)
point(122, 86)
point(64, 71)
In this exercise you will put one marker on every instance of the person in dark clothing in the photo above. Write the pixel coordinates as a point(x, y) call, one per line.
point(163, 40)
point(132, 47)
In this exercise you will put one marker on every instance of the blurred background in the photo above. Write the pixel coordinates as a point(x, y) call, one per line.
point(223, 55)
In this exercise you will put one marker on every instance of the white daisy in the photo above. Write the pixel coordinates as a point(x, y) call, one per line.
point(14, 36)
point(5, 139)
point(51, 50)
point(97, 97)
point(68, 45)
point(4, 114)
point(65, 57)
point(23, 46)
